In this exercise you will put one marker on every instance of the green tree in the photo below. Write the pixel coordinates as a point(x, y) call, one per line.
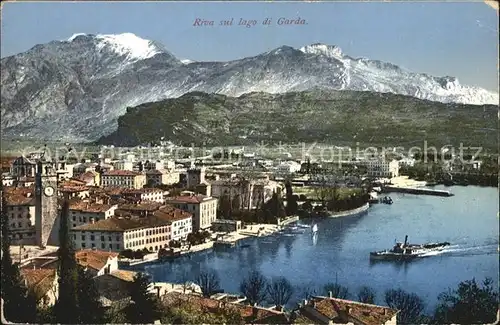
point(279, 291)
point(91, 309)
point(274, 208)
point(144, 306)
point(224, 211)
point(410, 306)
point(209, 283)
point(18, 305)
point(254, 287)
point(336, 290)
point(366, 295)
point(470, 303)
point(66, 307)
point(291, 200)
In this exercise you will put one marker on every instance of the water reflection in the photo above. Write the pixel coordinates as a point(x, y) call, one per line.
point(315, 238)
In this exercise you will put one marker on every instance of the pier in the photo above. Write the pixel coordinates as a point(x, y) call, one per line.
point(418, 191)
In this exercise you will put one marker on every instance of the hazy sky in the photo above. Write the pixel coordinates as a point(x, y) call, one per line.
point(455, 39)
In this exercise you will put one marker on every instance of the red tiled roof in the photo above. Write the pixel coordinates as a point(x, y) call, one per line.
point(72, 182)
point(113, 190)
point(172, 214)
point(146, 206)
point(124, 275)
point(95, 259)
point(118, 172)
point(248, 313)
point(336, 309)
point(73, 189)
point(126, 191)
point(89, 207)
point(120, 224)
point(40, 280)
point(6, 162)
point(194, 199)
point(19, 195)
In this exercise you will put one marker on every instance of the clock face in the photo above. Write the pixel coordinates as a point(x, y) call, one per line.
point(49, 191)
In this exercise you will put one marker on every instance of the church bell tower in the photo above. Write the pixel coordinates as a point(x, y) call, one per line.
point(46, 209)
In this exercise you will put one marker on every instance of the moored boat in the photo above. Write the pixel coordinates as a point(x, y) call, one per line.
point(406, 251)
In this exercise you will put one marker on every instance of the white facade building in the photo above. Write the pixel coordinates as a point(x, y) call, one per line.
point(82, 212)
point(203, 208)
point(288, 167)
point(123, 178)
point(383, 168)
point(20, 209)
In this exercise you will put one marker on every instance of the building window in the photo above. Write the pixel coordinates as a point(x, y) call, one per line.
point(110, 246)
point(83, 237)
point(102, 238)
point(103, 246)
point(92, 238)
point(83, 245)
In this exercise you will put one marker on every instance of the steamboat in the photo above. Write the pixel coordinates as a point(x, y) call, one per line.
point(406, 251)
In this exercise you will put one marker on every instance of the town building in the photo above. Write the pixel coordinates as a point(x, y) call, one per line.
point(203, 208)
point(142, 209)
point(123, 165)
point(82, 168)
point(6, 164)
point(113, 288)
point(97, 262)
point(223, 225)
point(248, 314)
point(82, 212)
point(195, 176)
point(145, 194)
point(136, 233)
point(155, 177)
point(123, 178)
point(329, 310)
point(90, 178)
point(181, 221)
point(43, 283)
point(250, 193)
point(408, 162)
point(25, 165)
point(288, 167)
point(20, 209)
point(383, 168)
point(8, 180)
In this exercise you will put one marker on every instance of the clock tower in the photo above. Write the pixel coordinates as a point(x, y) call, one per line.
point(46, 208)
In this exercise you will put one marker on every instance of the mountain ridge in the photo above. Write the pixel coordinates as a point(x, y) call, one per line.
point(341, 117)
point(86, 82)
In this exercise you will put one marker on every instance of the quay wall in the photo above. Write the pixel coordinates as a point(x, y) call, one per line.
point(413, 190)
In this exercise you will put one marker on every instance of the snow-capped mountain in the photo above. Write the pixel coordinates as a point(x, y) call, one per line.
point(76, 89)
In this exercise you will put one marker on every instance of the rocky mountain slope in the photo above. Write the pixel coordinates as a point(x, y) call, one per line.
point(340, 117)
point(77, 89)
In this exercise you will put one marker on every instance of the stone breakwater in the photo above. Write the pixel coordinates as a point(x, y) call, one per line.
point(349, 212)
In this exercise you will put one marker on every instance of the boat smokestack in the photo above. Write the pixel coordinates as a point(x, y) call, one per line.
point(406, 240)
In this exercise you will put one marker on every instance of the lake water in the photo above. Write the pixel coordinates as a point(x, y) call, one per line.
point(467, 220)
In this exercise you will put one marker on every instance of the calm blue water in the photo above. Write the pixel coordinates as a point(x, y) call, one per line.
point(468, 220)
